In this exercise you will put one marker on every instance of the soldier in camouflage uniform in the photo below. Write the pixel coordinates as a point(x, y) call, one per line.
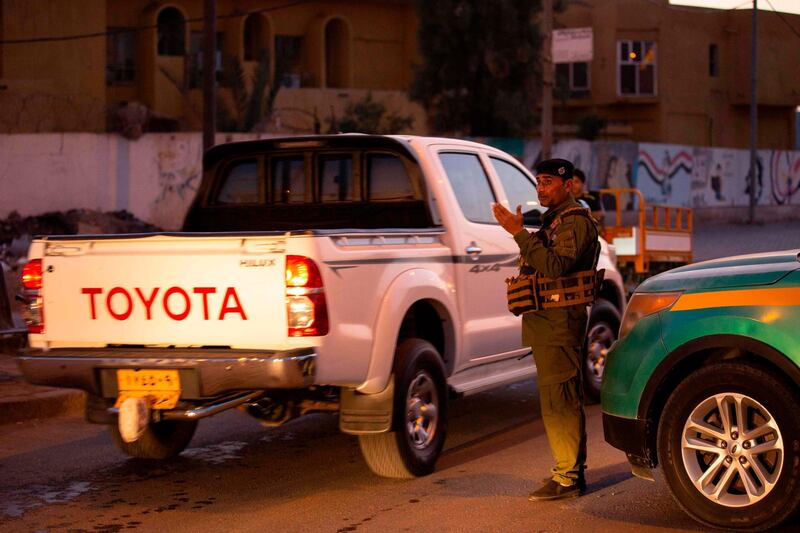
point(566, 243)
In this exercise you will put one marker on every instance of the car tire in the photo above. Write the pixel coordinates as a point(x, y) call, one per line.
point(714, 472)
point(602, 332)
point(160, 440)
point(419, 419)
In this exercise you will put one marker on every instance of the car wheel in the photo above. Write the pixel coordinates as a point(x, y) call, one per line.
point(419, 419)
point(729, 444)
point(602, 333)
point(160, 440)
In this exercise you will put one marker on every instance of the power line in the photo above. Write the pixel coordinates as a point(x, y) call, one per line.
point(146, 27)
point(780, 15)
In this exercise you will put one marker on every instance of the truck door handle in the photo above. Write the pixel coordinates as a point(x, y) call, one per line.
point(473, 250)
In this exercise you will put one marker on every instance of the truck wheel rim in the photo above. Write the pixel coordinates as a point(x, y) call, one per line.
point(600, 339)
point(421, 410)
point(732, 450)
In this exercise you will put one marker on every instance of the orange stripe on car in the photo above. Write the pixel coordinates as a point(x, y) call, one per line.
point(740, 298)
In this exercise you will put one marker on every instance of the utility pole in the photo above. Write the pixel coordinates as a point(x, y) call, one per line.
point(209, 73)
point(752, 175)
point(547, 78)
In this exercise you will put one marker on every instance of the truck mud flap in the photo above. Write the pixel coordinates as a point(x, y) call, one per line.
point(362, 414)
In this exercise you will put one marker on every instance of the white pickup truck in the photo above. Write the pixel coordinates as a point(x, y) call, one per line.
point(351, 273)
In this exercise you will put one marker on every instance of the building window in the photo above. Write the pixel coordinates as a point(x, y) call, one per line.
point(337, 51)
point(713, 60)
point(196, 59)
point(572, 79)
point(636, 68)
point(288, 57)
point(120, 56)
point(171, 32)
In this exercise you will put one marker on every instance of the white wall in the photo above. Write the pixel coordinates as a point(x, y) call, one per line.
point(154, 177)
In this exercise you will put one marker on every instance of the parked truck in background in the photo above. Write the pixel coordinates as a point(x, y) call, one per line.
point(351, 273)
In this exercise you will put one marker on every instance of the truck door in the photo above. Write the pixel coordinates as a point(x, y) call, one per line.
point(484, 255)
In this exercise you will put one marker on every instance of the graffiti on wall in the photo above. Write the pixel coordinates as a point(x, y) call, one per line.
point(784, 172)
point(665, 173)
point(614, 167)
point(178, 171)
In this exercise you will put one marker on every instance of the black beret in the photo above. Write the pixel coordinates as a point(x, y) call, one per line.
point(555, 167)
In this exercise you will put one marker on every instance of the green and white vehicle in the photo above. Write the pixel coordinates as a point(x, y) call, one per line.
point(705, 381)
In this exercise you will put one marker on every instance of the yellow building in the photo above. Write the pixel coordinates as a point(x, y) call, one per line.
point(675, 74)
point(660, 73)
point(148, 51)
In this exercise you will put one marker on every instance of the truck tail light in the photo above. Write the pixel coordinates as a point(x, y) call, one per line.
point(32, 291)
point(306, 308)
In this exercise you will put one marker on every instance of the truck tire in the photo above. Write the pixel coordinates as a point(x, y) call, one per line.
point(419, 419)
point(603, 329)
point(160, 440)
point(729, 443)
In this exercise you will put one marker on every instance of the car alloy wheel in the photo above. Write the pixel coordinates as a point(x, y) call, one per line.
point(733, 450)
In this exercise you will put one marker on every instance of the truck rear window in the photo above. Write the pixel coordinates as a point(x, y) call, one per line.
point(241, 184)
point(336, 179)
point(288, 180)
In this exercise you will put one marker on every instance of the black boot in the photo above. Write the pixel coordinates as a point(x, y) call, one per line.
point(553, 490)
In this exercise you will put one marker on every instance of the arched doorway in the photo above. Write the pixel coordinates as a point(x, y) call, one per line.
point(171, 32)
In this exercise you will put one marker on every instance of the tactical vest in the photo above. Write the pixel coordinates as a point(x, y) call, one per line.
point(531, 291)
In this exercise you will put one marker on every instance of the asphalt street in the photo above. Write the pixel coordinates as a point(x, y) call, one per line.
point(62, 474)
point(65, 475)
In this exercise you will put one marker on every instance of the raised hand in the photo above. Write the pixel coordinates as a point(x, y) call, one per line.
point(510, 222)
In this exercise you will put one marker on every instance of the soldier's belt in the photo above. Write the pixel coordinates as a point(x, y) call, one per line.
point(532, 292)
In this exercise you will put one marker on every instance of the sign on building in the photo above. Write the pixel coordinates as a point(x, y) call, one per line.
point(572, 45)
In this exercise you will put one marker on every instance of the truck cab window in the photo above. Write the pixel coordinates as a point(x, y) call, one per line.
point(470, 185)
point(241, 184)
point(388, 179)
point(336, 179)
point(288, 180)
point(520, 190)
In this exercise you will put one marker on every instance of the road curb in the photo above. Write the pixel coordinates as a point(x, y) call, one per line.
point(46, 403)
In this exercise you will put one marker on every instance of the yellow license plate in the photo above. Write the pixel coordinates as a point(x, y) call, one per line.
point(161, 387)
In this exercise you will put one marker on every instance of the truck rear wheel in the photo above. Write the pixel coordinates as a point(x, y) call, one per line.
point(729, 443)
point(160, 440)
point(602, 332)
point(419, 419)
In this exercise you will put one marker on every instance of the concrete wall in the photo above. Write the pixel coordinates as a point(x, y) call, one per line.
point(157, 176)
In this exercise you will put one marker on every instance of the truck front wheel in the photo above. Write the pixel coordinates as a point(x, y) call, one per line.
point(160, 440)
point(419, 419)
point(602, 332)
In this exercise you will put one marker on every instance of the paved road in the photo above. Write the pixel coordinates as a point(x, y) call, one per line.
point(64, 475)
point(720, 240)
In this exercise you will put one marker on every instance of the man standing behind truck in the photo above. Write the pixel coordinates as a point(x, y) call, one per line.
point(564, 250)
point(586, 198)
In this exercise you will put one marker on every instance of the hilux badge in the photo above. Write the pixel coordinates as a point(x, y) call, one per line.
point(256, 262)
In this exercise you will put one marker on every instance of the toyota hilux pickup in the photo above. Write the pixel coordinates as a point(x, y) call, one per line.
point(350, 273)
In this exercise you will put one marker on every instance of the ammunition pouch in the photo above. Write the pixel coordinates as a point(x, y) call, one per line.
point(533, 292)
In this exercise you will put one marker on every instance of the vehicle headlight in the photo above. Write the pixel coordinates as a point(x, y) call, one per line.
point(643, 304)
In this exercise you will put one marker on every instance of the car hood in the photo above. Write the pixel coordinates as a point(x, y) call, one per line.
point(738, 271)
